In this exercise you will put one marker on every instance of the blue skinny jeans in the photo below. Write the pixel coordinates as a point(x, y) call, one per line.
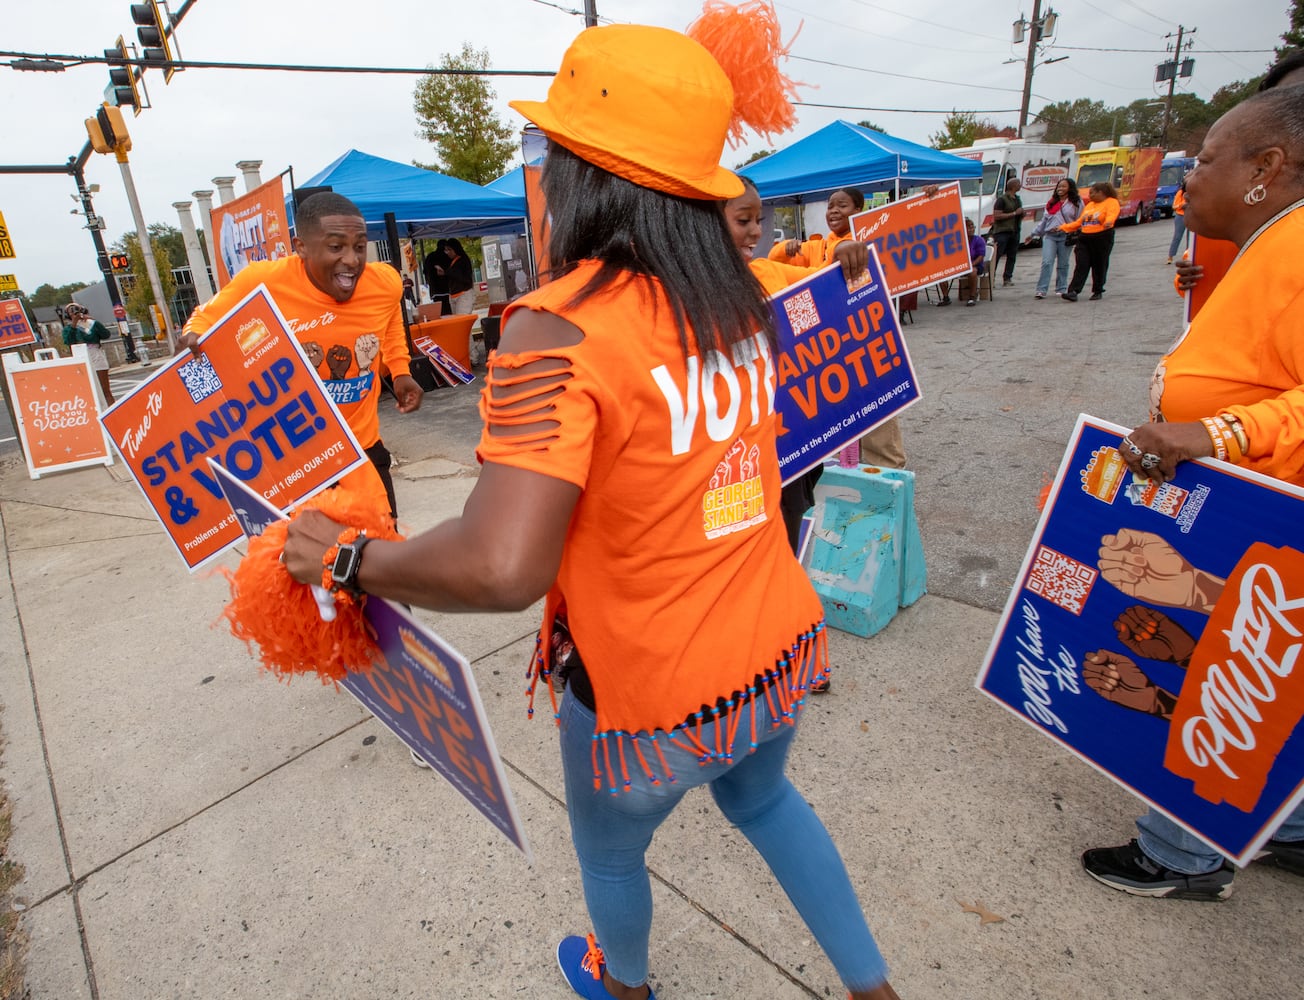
point(1165, 842)
point(1055, 254)
point(611, 834)
point(1179, 230)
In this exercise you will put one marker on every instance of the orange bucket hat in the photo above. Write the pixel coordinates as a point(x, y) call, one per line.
point(647, 104)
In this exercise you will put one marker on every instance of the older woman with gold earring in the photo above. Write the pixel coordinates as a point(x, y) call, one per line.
point(1232, 387)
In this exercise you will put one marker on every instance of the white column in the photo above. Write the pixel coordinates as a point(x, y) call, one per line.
point(252, 177)
point(225, 189)
point(198, 269)
point(205, 199)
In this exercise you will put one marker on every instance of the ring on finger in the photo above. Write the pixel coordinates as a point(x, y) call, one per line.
point(1130, 445)
point(1150, 461)
point(282, 557)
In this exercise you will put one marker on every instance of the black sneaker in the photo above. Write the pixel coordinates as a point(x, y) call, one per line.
point(1070, 296)
point(1285, 854)
point(1128, 869)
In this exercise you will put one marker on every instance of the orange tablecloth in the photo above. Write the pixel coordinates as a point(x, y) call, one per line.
point(452, 333)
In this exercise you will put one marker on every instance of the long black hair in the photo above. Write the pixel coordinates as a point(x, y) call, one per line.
point(1072, 194)
point(684, 243)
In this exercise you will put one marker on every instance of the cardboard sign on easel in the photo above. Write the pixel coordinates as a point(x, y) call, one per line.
point(57, 406)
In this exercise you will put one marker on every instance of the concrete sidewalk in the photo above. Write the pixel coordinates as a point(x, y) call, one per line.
point(191, 828)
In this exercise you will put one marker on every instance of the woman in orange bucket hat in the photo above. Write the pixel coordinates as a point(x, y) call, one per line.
point(630, 478)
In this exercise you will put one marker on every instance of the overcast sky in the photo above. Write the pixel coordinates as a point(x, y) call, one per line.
point(910, 56)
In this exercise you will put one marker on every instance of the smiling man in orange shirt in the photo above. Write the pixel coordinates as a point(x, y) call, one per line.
point(344, 311)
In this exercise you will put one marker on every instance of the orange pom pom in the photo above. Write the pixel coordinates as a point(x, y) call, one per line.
point(270, 609)
point(745, 41)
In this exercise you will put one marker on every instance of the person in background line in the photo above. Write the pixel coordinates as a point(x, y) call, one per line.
point(1236, 397)
point(1065, 205)
point(656, 540)
point(817, 251)
point(1097, 226)
point(460, 278)
point(1179, 220)
point(1007, 222)
point(977, 257)
point(80, 328)
point(435, 269)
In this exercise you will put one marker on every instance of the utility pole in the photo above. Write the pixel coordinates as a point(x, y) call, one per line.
point(1034, 36)
point(146, 251)
point(108, 134)
point(590, 13)
point(1170, 69)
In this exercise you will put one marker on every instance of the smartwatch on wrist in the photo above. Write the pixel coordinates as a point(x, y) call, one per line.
point(348, 560)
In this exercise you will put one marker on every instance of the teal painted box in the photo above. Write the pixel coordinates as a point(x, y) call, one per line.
point(865, 556)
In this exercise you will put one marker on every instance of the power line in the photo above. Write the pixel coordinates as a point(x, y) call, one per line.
point(1096, 48)
point(911, 111)
point(1147, 13)
point(931, 24)
point(74, 60)
point(1108, 13)
point(905, 76)
point(876, 34)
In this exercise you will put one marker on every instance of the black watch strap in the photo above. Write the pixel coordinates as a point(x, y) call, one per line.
point(348, 561)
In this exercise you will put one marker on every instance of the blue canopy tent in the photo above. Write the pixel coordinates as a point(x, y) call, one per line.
point(845, 155)
point(511, 183)
point(424, 203)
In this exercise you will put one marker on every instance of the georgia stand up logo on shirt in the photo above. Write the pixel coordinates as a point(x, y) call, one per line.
point(735, 498)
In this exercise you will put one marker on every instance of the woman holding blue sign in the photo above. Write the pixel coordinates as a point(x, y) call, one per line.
point(630, 477)
point(1231, 388)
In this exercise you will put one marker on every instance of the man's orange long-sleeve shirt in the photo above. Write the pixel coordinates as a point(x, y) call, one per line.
point(344, 341)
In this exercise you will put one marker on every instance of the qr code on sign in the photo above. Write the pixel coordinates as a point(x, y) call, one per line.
point(1061, 579)
point(802, 313)
point(199, 379)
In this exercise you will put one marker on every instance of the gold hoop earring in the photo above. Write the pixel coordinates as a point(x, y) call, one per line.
point(1256, 194)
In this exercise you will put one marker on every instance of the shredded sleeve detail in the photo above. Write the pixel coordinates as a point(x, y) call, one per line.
point(540, 414)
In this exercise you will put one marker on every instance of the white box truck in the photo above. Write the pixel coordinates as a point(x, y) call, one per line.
point(1039, 166)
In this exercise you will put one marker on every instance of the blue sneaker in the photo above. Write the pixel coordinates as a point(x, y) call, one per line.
point(581, 962)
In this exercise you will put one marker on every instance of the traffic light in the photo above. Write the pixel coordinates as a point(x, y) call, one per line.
point(152, 30)
point(108, 131)
point(119, 261)
point(123, 77)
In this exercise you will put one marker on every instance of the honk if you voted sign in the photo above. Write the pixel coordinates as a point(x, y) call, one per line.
point(1156, 631)
point(57, 405)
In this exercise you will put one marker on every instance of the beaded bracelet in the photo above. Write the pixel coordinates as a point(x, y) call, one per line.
point(328, 564)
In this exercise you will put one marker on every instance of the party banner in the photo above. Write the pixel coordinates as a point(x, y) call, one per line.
point(56, 402)
point(1154, 631)
point(842, 367)
point(1215, 257)
point(252, 401)
point(423, 690)
point(920, 240)
point(249, 228)
point(15, 331)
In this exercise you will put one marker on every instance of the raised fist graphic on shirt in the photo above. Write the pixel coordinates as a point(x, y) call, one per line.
point(365, 348)
point(314, 352)
point(338, 360)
